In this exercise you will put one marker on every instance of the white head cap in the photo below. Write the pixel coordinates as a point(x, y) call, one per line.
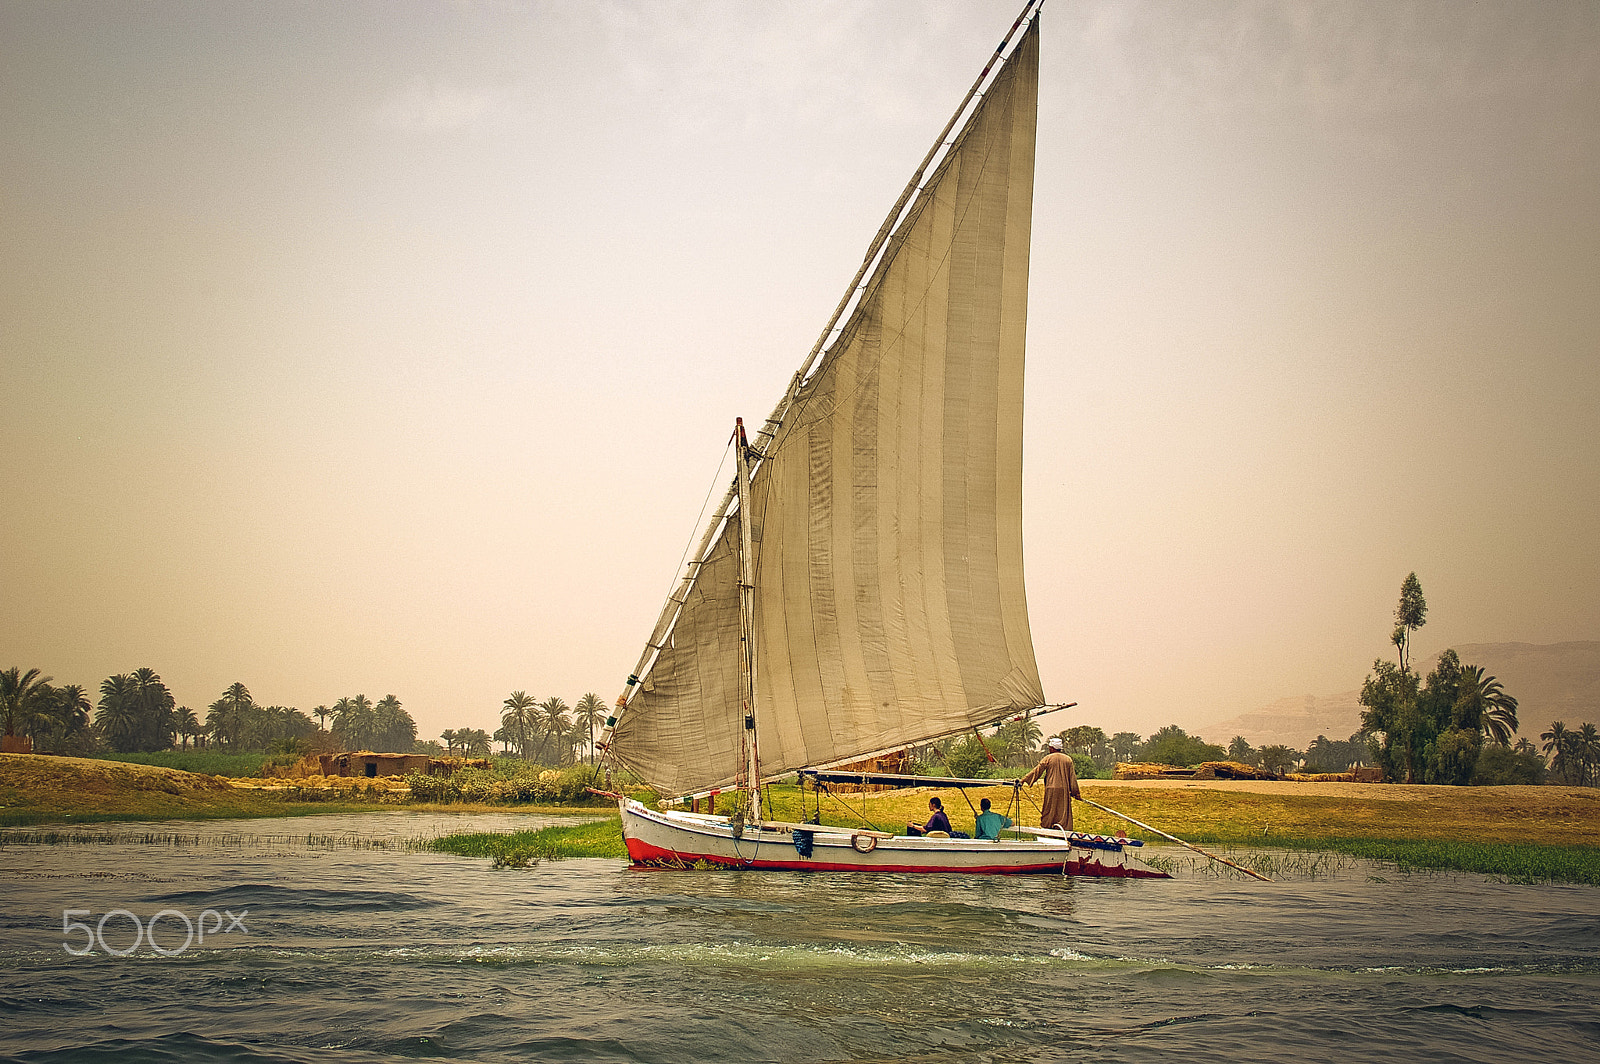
point(1055, 742)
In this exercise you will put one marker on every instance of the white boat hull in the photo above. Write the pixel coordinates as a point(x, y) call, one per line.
point(678, 840)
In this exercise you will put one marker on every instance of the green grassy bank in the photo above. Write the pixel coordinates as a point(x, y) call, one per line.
point(207, 761)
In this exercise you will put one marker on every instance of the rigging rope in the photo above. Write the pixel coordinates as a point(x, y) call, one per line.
point(716, 478)
point(861, 816)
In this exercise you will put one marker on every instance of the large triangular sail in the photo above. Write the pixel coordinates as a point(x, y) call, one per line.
point(886, 510)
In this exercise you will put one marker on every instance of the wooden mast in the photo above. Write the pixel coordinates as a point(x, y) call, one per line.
point(747, 622)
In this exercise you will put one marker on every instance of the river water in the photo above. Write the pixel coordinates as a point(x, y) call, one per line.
point(350, 946)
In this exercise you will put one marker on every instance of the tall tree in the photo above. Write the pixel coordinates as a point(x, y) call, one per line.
point(394, 728)
point(1445, 730)
point(1486, 696)
point(229, 718)
point(1389, 697)
point(340, 708)
point(1082, 739)
point(20, 693)
point(474, 742)
point(1174, 746)
point(1125, 745)
point(1588, 751)
point(1019, 739)
point(1405, 721)
point(322, 713)
point(188, 725)
point(517, 716)
point(356, 725)
point(1560, 745)
point(589, 711)
point(157, 722)
point(553, 722)
point(1277, 758)
point(117, 715)
point(66, 721)
point(1410, 614)
point(1335, 755)
point(1240, 750)
point(280, 729)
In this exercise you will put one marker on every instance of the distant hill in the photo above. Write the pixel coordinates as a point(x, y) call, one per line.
point(1293, 721)
point(1551, 681)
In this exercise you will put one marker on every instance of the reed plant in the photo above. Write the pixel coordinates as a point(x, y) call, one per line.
point(591, 838)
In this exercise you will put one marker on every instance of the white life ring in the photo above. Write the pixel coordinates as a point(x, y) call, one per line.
point(857, 840)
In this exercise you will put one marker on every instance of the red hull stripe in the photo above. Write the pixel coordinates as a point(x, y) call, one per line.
point(644, 853)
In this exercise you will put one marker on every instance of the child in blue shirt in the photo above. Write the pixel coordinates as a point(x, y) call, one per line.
point(990, 825)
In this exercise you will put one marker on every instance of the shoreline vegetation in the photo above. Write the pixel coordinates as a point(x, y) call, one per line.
point(1522, 833)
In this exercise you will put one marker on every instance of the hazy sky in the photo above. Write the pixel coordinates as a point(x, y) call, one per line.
point(392, 347)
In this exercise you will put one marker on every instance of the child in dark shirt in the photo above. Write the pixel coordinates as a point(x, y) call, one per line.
point(937, 822)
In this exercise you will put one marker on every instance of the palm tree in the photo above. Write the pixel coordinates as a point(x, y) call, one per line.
point(555, 724)
point(1124, 745)
point(1558, 745)
point(589, 710)
point(340, 708)
point(1524, 746)
point(229, 718)
point(289, 726)
point(474, 742)
point(1083, 738)
point(1588, 750)
point(1017, 739)
point(449, 737)
point(1498, 709)
point(518, 719)
point(117, 716)
point(188, 725)
point(70, 713)
point(1278, 758)
point(19, 694)
point(355, 723)
point(394, 727)
point(155, 707)
point(322, 713)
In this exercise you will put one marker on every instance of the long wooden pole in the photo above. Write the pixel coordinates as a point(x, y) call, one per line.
point(747, 621)
point(1174, 838)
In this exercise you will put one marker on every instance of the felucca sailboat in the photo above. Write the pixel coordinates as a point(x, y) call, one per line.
point(859, 588)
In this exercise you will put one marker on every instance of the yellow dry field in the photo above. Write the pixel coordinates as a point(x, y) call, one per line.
point(1243, 810)
point(392, 788)
point(32, 785)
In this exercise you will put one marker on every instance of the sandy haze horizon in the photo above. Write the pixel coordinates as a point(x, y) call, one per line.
point(392, 348)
